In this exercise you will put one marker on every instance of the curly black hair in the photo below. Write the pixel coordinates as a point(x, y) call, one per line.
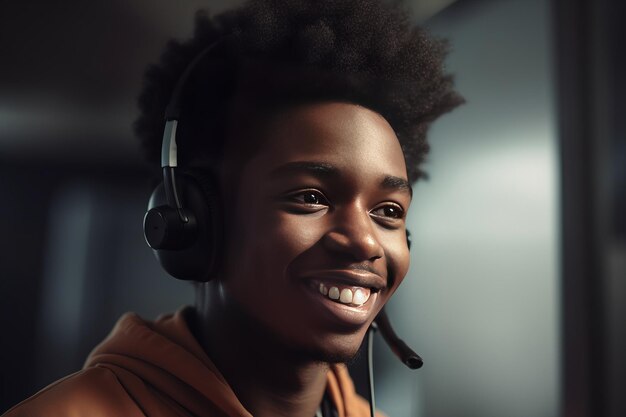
point(280, 52)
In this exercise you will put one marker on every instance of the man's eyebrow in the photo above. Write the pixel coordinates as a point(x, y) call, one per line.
point(329, 170)
point(397, 183)
point(313, 167)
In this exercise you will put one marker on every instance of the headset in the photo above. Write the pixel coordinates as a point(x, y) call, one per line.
point(183, 229)
point(182, 222)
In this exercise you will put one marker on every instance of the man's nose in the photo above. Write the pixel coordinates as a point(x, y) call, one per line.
point(354, 234)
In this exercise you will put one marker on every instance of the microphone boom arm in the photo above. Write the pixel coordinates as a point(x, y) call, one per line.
point(397, 345)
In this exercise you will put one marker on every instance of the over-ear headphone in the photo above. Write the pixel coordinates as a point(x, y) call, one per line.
point(183, 223)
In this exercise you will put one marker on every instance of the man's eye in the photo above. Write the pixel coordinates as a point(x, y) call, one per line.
point(389, 212)
point(309, 197)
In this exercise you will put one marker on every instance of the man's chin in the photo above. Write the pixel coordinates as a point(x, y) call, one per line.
point(336, 350)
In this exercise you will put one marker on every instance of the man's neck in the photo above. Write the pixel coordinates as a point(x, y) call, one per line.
point(267, 379)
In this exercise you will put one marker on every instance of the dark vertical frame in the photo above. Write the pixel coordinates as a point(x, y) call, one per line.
point(590, 90)
point(616, 15)
point(582, 324)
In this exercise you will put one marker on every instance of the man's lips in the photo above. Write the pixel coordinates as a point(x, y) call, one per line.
point(347, 278)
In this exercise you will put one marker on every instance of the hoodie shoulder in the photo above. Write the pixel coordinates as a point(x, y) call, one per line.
point(94, 392)
point(343, 394)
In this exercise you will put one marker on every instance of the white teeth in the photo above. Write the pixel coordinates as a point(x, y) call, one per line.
point(333, 293)
point(359, 297)
point(356, 297)
point(346, 296)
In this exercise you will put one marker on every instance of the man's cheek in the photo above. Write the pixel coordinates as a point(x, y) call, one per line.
point(399, 260)
point(296, 233)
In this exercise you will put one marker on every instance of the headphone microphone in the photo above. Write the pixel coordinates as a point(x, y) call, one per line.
point(406, 355)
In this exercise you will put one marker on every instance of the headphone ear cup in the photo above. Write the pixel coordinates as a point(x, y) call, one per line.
point(198, 261)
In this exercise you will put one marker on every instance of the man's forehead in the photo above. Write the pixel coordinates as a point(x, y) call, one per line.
point(338, 126)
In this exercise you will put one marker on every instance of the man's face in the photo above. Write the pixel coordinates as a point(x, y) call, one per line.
point(317, 241)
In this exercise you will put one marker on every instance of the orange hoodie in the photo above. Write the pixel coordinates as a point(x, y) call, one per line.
point(158, 369)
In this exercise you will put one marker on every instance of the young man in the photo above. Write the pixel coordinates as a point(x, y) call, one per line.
point(300, 128)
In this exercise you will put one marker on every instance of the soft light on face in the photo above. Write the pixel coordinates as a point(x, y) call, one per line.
point(317, 240)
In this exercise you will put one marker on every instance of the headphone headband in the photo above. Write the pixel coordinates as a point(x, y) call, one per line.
point(169, 147)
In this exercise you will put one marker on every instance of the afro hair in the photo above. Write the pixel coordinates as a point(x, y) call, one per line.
point(279, 52)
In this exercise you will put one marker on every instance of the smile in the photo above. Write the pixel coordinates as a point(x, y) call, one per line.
point(355, 296)
point(345, 298)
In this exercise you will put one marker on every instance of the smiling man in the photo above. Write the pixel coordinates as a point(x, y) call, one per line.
point(299, 127)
